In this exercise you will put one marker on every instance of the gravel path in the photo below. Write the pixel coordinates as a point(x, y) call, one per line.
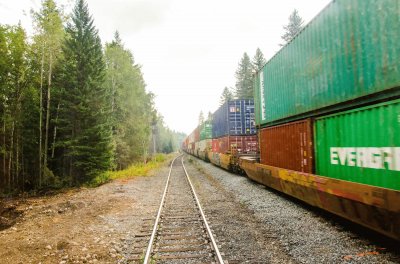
point(303, 233)
point(85, 225)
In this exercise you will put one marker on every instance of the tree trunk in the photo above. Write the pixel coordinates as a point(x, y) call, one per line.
point(46, 139)
point(5, 149)
point(16, 175)
point(41, 118)
point(55, 133)
point(11, 155)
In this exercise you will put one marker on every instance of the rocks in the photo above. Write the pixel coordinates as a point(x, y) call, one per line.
point(306, 234)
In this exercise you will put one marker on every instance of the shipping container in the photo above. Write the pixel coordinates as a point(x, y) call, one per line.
point(234, 118)
point(205, 144)
point(235, 144)
point(206, 130)
point(361, 145)
point(288, 146)
point(345, 57)
point(196, 133)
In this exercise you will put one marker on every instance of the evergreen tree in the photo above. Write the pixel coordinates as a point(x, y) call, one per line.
point(294, 26)
point(17, 110)
point(258, 61)
point(131, 120)
point(84, 124)
point(244, 78)
point(201, 118)
point(225, 96)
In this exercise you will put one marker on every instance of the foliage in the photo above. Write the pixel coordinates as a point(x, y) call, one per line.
point(244, 78)
point(201, 118)
point(84, 118)
point(130, 103)
point(258, 61)
point(165, 140)
point(225, 96)
point(134, 170)
point(71, 110)
point(46, 51)
point(294, 26)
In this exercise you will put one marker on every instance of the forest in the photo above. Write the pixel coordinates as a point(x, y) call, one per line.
point(71, 108)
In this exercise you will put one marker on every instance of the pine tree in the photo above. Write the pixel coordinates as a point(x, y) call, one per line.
point(84, 123)
point(258, 61)
point(244, 79)
point(201, 118)
point(294, 26)
point(225, 96)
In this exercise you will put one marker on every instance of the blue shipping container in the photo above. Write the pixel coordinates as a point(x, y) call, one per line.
point(234, 118)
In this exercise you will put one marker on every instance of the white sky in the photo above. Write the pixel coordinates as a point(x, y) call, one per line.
point(189, 50)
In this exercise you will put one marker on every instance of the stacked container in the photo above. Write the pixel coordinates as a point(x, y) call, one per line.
point(361, 145)
point(234, 118)
point(342, 57)
point(204, 145)
point(233, 128)
point(288, 146)
point(340, 61)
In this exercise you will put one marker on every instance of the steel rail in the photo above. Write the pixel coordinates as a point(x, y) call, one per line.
point(153, 234)
point(219, 257)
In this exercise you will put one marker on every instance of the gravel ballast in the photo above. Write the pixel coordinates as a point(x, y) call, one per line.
point(306, 234)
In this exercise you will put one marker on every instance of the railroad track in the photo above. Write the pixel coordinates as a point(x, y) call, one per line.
point(180, 232)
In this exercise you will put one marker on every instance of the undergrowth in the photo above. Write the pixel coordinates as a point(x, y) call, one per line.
point(136, 169)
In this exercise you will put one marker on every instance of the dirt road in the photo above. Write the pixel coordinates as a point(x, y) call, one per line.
point(80, 226)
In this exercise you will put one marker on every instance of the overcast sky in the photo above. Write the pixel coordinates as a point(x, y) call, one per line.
point(189, 50)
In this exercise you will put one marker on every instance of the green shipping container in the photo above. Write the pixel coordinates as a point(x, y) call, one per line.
point(361, 145)
point(206, 130)
point(349, 51)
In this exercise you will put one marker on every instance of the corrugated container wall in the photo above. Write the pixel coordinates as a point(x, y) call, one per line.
point(206, 130)
point(361, 145)
point(235, 144)
point(205, 144)
point(288, 146)
point(235, 118)
point(350, 50)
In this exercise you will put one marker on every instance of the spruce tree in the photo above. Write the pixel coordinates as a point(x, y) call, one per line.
point(225, 96)
point(258, 60)
point(201, 118)
point(244, 78)
point(294, 26)
point(84, 121)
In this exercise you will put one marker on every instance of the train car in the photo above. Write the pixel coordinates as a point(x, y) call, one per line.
point(233, 134)
point(328, 116)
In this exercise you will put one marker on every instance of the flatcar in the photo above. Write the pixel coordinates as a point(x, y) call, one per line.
point(324, 125)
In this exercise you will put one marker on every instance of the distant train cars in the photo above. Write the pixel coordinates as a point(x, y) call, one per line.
point(327, 113)
point(230, 134)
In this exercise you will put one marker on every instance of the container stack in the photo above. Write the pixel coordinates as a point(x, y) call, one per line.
point(204, 145)
point(233, 128)
point(339, 77)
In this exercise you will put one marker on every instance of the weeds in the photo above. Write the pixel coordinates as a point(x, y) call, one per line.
point(136, 169)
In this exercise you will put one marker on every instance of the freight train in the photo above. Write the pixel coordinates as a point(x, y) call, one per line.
point(324, 125)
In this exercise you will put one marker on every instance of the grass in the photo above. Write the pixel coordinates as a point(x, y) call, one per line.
point(136, 169)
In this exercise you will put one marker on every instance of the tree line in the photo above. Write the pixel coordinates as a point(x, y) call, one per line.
point(71, 108)
point(247, 68)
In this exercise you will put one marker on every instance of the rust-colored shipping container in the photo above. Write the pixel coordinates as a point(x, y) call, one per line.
point(235, 144)
point(288, 146)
